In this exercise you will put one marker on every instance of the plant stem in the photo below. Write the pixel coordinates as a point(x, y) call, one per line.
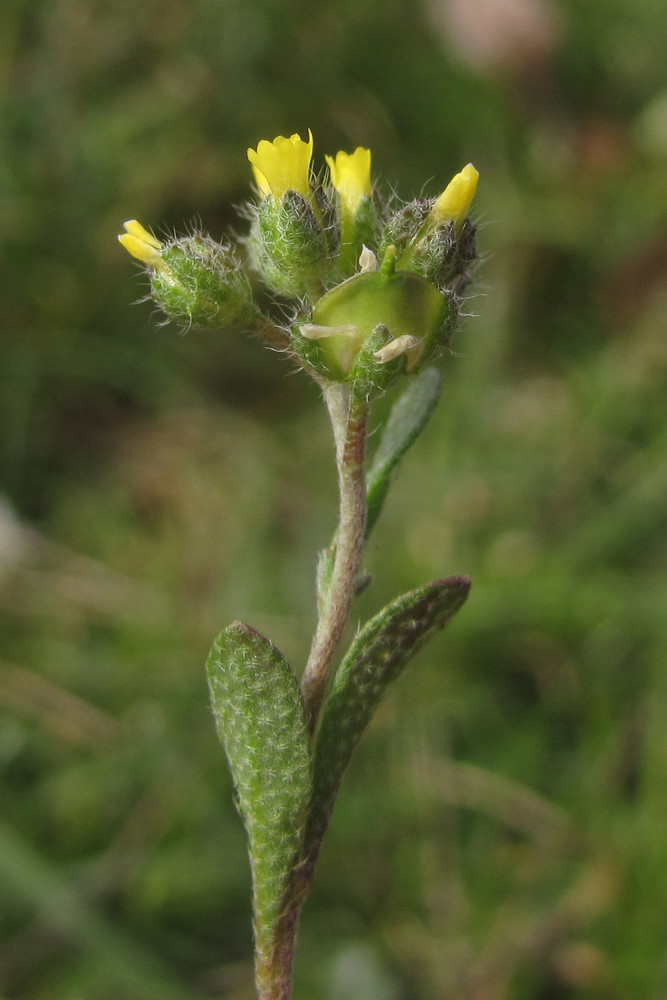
point(274, 971)
point(349, 419)
point(274, 336)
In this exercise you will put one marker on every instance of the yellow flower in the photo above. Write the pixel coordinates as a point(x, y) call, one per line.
point(351, 177)
point(455, 201)
point(282, 165)
point(142, 244)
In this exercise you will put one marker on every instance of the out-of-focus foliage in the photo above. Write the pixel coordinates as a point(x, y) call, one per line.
point(501, 831)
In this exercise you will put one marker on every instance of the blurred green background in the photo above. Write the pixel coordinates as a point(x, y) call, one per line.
point(502, 832)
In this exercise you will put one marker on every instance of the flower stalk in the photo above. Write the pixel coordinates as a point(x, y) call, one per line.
point(349, 420)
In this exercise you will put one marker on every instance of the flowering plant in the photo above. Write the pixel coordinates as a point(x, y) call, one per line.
point(373, 293)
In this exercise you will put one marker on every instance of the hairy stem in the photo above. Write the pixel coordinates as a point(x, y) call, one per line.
point(273, 973)
point(274, 336)
point(349, 418)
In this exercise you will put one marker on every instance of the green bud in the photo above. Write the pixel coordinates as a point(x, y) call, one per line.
point(202, 283)
point(293, 242)
point(444, 255)
point(440, 252)
point(351, 190)
point(435, 238)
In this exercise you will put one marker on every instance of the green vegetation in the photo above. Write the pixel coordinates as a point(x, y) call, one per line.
point(500, 832)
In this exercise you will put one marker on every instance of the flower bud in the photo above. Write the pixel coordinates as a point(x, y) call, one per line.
point(350, 175)
point(294, 237)
point(455, 201)
point(435, 238)
point(195, 280)
point(141, 244)
point(289, 245)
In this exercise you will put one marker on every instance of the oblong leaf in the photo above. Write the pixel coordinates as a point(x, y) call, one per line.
point(261, 723)
point(407, 419)
point(375, 658)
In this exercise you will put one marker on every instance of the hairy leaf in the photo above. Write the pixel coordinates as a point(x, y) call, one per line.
point(406, 421)
point(375, 658)
point(261, 723)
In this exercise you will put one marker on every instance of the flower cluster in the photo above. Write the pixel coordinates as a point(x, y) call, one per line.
point(306, 236)
point(376, 290)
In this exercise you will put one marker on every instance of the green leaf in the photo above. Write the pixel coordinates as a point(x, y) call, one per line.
point(375, 658)
point(261, 723)
point(406, 421)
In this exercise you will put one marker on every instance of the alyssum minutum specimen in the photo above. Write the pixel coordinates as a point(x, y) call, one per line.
point(375, 295)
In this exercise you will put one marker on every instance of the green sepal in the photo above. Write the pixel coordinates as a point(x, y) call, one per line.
point(407, 419)
point(445, 254)
point(261, 723)
point(356, 233)
point(404, 225)
point(376, 657)
point(202, 283)
point(367, 376)
point(440, 252)
point(289, 246)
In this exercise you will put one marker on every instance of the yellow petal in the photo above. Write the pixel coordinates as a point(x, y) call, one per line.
point(455, 201)
point(141, 244)
point(136, 229)
point(140, 250)
point(260, 180)
point(282, 165)
point(351, 177)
